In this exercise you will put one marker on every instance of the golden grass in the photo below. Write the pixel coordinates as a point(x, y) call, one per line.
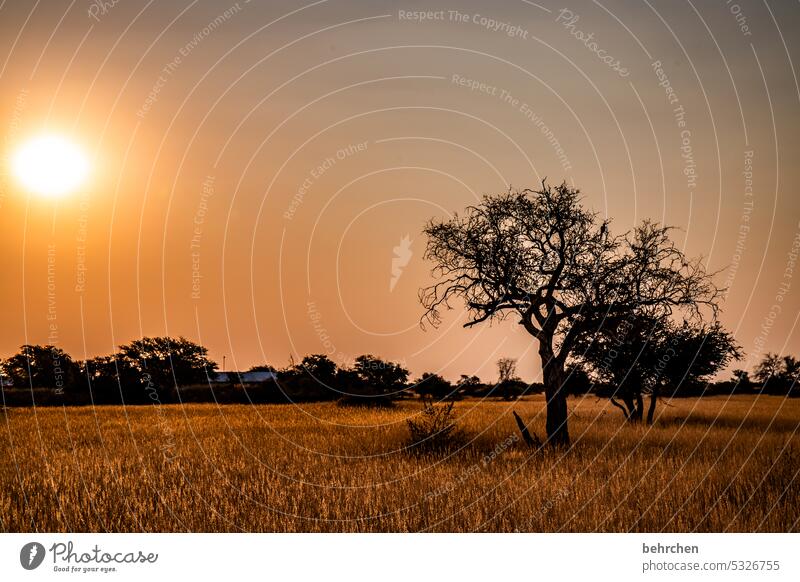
point(715, 464)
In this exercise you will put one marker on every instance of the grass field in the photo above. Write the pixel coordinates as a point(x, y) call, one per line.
point(715, 464)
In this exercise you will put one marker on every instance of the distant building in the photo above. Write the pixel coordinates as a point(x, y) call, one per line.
point(242, 377)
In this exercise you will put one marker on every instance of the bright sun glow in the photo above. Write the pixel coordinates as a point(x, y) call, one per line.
point(50, 165)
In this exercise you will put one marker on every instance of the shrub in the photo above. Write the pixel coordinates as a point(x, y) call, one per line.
point(435, 429)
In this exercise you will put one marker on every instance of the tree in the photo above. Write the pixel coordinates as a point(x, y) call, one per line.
point(741, 382)
point(790, 374)
point(643, 355)
point(541, 255)
point(507, 376)
point(741, 377)
point(469, 385)
point(769, 366)
point(113, 380)
point(379, 376)
point(506, 369)
point(320, 368)
point(314, 378)
point(791, 367)
point(46, 366)
point(700, 351)
point(371, 382)
point(435, 386)
point(778, 374)
point(162, 364)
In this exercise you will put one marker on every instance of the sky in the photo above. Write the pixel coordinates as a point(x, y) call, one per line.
point(261, 171)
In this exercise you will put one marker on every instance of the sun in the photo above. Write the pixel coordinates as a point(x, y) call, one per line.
point(50, 165)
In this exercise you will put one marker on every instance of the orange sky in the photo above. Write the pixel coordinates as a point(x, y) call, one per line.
point(255, 166)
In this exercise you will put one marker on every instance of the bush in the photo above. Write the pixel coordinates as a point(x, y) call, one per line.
point(435, 429)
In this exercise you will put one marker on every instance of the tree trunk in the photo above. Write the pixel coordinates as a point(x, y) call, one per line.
point(631, 406)
point(639, 406)
point(651, 411)
point(556, 394)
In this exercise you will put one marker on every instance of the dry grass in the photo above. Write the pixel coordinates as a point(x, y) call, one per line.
point(715, 464)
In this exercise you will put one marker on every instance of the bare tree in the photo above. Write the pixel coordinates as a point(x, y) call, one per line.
point(540, 255)
point(506, 369)
point(506, 372)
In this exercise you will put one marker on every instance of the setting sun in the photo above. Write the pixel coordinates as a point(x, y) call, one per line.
point(50, 165)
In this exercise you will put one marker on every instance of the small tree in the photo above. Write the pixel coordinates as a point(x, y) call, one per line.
point(644, 355)
point(371, 382)
point(380, 376)
point(741, 381)
point(540, 255)
point(469, 385)
point(320, 368)
point(506, 369)
point(507, 377)
point(435, 386)
point(769, 367)
point(778, 375)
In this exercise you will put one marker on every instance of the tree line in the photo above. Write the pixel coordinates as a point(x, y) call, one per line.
point(167, 370)
point(624, 367)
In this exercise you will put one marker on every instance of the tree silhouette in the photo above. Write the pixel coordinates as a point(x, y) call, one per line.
point(314, 378)
point(769, 366)
point(379, 376)
point(37, 366)
point(433, 385)
point(541, 255)
point(506, 369)
point(469, 385)
point(320, 368)
point(778, 375)
point(164, 363)
point(741, 381)
point(643, 355)
point(113, 380)
point(507, 375)
point(371, 381)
